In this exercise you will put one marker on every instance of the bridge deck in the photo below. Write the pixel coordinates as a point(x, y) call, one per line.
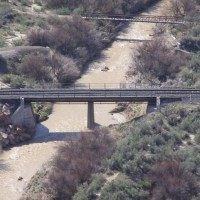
point(140, 18)
point(96, 95)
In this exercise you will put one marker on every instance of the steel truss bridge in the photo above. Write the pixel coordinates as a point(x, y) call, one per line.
point(133, 18)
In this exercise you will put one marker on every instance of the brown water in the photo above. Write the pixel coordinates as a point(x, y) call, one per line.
point(70, 119)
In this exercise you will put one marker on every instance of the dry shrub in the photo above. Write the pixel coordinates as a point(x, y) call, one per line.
point(183, 7)
point(65, 69)
point(170, 180)
point(76, 161)
point(156, 60)
point(36, 66)
point(68, 37)
point(38, 37)
point(73, 34)
point(48, 68)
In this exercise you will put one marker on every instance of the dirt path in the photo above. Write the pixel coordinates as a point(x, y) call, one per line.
point(70, 119)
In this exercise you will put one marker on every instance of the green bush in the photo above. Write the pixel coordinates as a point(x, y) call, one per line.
point(124, 188)
point(19, 42)
point(89, 190)
point(42, 110)
point(2, 43)
point(15, 81)
point(191, 123)
point(63, 11)
point(197, 137)
point(24, 2)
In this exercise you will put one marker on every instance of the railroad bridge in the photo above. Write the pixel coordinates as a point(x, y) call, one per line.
point(91, 95)
point(133, 18)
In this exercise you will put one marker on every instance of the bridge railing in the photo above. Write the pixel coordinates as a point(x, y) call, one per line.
point(121, 85)
point(105, 86)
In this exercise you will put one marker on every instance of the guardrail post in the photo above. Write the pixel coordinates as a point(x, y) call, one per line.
point(90, 117)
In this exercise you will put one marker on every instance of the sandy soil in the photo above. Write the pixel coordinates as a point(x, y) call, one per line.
point(70, 119)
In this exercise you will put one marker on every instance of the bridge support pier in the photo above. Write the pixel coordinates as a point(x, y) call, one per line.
point(90, 117)
point(24, 117)
point(158, 106)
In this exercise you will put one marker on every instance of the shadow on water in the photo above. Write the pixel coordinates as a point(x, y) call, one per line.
point(43, 135)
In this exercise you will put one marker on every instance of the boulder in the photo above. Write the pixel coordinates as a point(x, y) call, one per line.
point(105, 69)
point(3, 135)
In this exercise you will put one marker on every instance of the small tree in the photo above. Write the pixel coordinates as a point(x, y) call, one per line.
point(170, 180)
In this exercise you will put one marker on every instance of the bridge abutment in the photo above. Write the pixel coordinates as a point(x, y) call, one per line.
point(90, 116)
point(24, 117)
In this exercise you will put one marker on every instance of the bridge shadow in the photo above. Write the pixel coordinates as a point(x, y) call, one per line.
point(131, 40)
point(43, 135)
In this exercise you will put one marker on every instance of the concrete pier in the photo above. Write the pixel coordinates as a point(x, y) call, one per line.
point(24, 117)
point(158, 106)
point(90, 117)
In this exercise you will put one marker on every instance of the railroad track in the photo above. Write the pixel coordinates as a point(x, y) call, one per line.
point(95, 95)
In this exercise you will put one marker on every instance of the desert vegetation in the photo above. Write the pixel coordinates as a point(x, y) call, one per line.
point(153, 160)
point(109, 6)
point(74, 38)
point(190, 41)
point(74, 164)
point(157, 60)
point(161, 63)
point(157, 158)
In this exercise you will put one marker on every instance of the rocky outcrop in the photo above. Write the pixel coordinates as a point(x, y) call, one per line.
point(12, 132)
point(12, 135)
